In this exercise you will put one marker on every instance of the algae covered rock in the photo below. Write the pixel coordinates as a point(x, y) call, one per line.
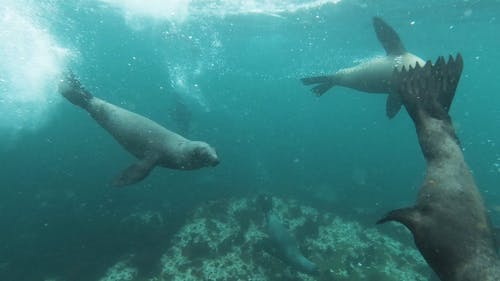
point(226, 240)
point(121, 271)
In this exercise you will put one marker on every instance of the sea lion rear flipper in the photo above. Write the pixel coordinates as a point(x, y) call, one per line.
point(324, 83)
point(452, 71)
point(388, 37)
point(136, 172)
point(409, 217)
point(71, 88)
point(393, 105)
point(430, 88)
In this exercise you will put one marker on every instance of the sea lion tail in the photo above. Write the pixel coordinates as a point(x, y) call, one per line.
point(324, 83)
point(71, 88)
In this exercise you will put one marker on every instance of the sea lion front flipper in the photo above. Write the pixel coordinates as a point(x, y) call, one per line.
point(388, 37)
point(393, 105)
point(136, 172)
point(409, 217)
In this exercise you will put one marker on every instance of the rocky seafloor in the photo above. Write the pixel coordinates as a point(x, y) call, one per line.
point(226, 241)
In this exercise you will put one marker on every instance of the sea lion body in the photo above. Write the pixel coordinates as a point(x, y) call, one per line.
point(148, 141)
point(135, 133)
point(373, 75)
point(287, 245)
point(449, 221)
point(282, 240)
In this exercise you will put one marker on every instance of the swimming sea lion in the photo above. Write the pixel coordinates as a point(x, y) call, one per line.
point(449, 221)
point(280, 237)
point(374, 75)
point(151, 143)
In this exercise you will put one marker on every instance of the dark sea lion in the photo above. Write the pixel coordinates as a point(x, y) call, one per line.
point(374, 75)
point(449, 221)
point(281, 239)
point(151, 143)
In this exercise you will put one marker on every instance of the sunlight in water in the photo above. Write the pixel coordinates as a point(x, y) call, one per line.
point(175, 10)
point(31, 62)
point(180, 10)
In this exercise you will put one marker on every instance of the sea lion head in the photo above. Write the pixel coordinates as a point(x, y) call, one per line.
point(203, 155)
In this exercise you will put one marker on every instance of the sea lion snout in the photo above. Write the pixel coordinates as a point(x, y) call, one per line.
point(213, 159)
point(204, 155)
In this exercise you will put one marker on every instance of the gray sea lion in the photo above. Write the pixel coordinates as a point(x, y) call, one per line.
point(280, 237)
point(449, 221)
point(151, 143)
point(374, 75)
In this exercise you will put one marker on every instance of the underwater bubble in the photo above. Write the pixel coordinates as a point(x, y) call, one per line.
point(32, 61)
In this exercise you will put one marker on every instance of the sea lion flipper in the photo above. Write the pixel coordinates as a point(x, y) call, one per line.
point(393, 105)
point(71, 88)
point(324, 83)
point(316, 79)
point(453, 71)
point(429, 88)
point(388, 37)
point(136, 172)
point(409, 217)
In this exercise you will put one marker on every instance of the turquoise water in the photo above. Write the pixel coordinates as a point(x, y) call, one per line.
point(227, 73)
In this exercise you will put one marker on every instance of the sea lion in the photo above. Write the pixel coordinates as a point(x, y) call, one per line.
point(449, 222)
point(281, 239)
point(373, 75)
point(151, 143)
